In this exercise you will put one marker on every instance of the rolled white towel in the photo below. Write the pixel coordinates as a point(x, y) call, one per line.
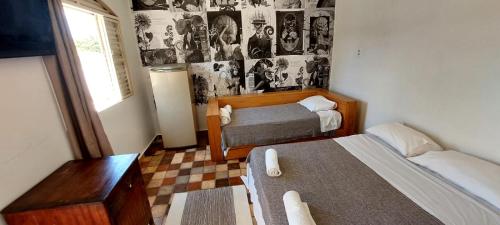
point(272, 166)
point(225, 116)
point(297, 212)
point(229, 108)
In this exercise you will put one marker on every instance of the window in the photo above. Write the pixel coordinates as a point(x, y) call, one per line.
point(96, 33)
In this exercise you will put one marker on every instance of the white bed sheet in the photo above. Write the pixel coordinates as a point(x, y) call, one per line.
point(254, 197)
point(446, 202)
point(329, 120)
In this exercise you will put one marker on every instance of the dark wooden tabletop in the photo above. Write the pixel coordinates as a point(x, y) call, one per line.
point(75, 182)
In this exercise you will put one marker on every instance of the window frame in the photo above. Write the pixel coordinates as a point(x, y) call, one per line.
point(98, 8)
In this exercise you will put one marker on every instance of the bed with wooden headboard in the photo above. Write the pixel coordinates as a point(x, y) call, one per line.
point(347, 107)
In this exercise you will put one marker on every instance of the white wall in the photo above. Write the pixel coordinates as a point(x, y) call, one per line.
point(432, 64)
point(130, 125)
point(32, 139)
point(33, 142)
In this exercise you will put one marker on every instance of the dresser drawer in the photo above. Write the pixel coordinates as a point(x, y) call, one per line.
point(135, 210)
point(128, 203)
point(105, 191)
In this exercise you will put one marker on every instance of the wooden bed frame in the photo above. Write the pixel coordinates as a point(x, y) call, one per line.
point(348, 107)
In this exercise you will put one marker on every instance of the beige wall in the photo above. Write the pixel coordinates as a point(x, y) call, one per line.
point(432, 64)
point(130, 125)
point(32, 137)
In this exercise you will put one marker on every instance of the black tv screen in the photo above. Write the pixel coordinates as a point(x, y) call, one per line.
point(25, 28)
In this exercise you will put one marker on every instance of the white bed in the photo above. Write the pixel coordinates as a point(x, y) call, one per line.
point(443, 200)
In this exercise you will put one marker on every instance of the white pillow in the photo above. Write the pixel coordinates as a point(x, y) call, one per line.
point(225, 116)
point(318, 103)
point(407, 141)
point(477, 176)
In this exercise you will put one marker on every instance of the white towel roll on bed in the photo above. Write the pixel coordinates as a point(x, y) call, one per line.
point(225, 116)
point(297, 212)
point(272, 166)
point(229, 108)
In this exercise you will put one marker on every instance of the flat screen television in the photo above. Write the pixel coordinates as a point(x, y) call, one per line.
point(25, 29)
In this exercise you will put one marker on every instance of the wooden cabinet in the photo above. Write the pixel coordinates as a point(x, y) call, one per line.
point(107, 191)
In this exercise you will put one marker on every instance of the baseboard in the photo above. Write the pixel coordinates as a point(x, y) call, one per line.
point(148, 147)
point(151, 148)
point(202, 132)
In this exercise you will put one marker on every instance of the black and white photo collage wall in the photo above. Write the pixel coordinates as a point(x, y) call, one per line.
point(235, 47)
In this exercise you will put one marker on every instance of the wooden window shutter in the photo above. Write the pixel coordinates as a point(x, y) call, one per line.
point(113, 33)
point(119, 59)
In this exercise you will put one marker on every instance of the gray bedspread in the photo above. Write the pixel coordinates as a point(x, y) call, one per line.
point(270, 125)
point(338, 188)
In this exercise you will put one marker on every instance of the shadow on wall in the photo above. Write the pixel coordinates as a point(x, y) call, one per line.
point(363, 107)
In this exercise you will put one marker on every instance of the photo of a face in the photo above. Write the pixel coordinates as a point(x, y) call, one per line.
point(225, 35)
point(319, 32)
point(259, 75)
point(290, 25)
point(319, 38)
point(318, 72)
point(191, 29)
point(260, 33)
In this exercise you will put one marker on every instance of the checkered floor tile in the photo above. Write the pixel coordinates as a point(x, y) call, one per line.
point(167, 172)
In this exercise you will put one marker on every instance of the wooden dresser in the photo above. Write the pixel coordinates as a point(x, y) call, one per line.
point(107, 191)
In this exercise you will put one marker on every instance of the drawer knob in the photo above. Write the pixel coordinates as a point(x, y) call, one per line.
point(130, 186)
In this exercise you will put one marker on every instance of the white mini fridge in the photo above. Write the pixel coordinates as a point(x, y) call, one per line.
point(173, 93)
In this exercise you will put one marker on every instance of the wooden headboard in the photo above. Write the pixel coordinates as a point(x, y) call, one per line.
point(348, 107)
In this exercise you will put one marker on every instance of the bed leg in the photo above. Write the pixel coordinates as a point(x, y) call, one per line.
point(216, 154)
point(214, 137)
point(214, 131)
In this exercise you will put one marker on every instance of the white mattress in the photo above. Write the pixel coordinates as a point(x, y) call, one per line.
point(449, 204)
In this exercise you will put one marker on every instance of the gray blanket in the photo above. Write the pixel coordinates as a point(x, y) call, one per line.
point(338, 188)
point(219, 200)
point(270, 125)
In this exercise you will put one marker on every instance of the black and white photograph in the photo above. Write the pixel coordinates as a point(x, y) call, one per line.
point(253, 4)
point(259, 33)
point(224, 34)
point(191, 31)
point(321, 3)
point(156, 57)
point(289, 4)
point(224, 5)
point(290, 35)
point(317, 72)
point(214, 79)
point(289, 72)
point(200, 85)
point(187, 5)
point(155, 37)
point(259, 75)
point(319, 31)
point(138, 5)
